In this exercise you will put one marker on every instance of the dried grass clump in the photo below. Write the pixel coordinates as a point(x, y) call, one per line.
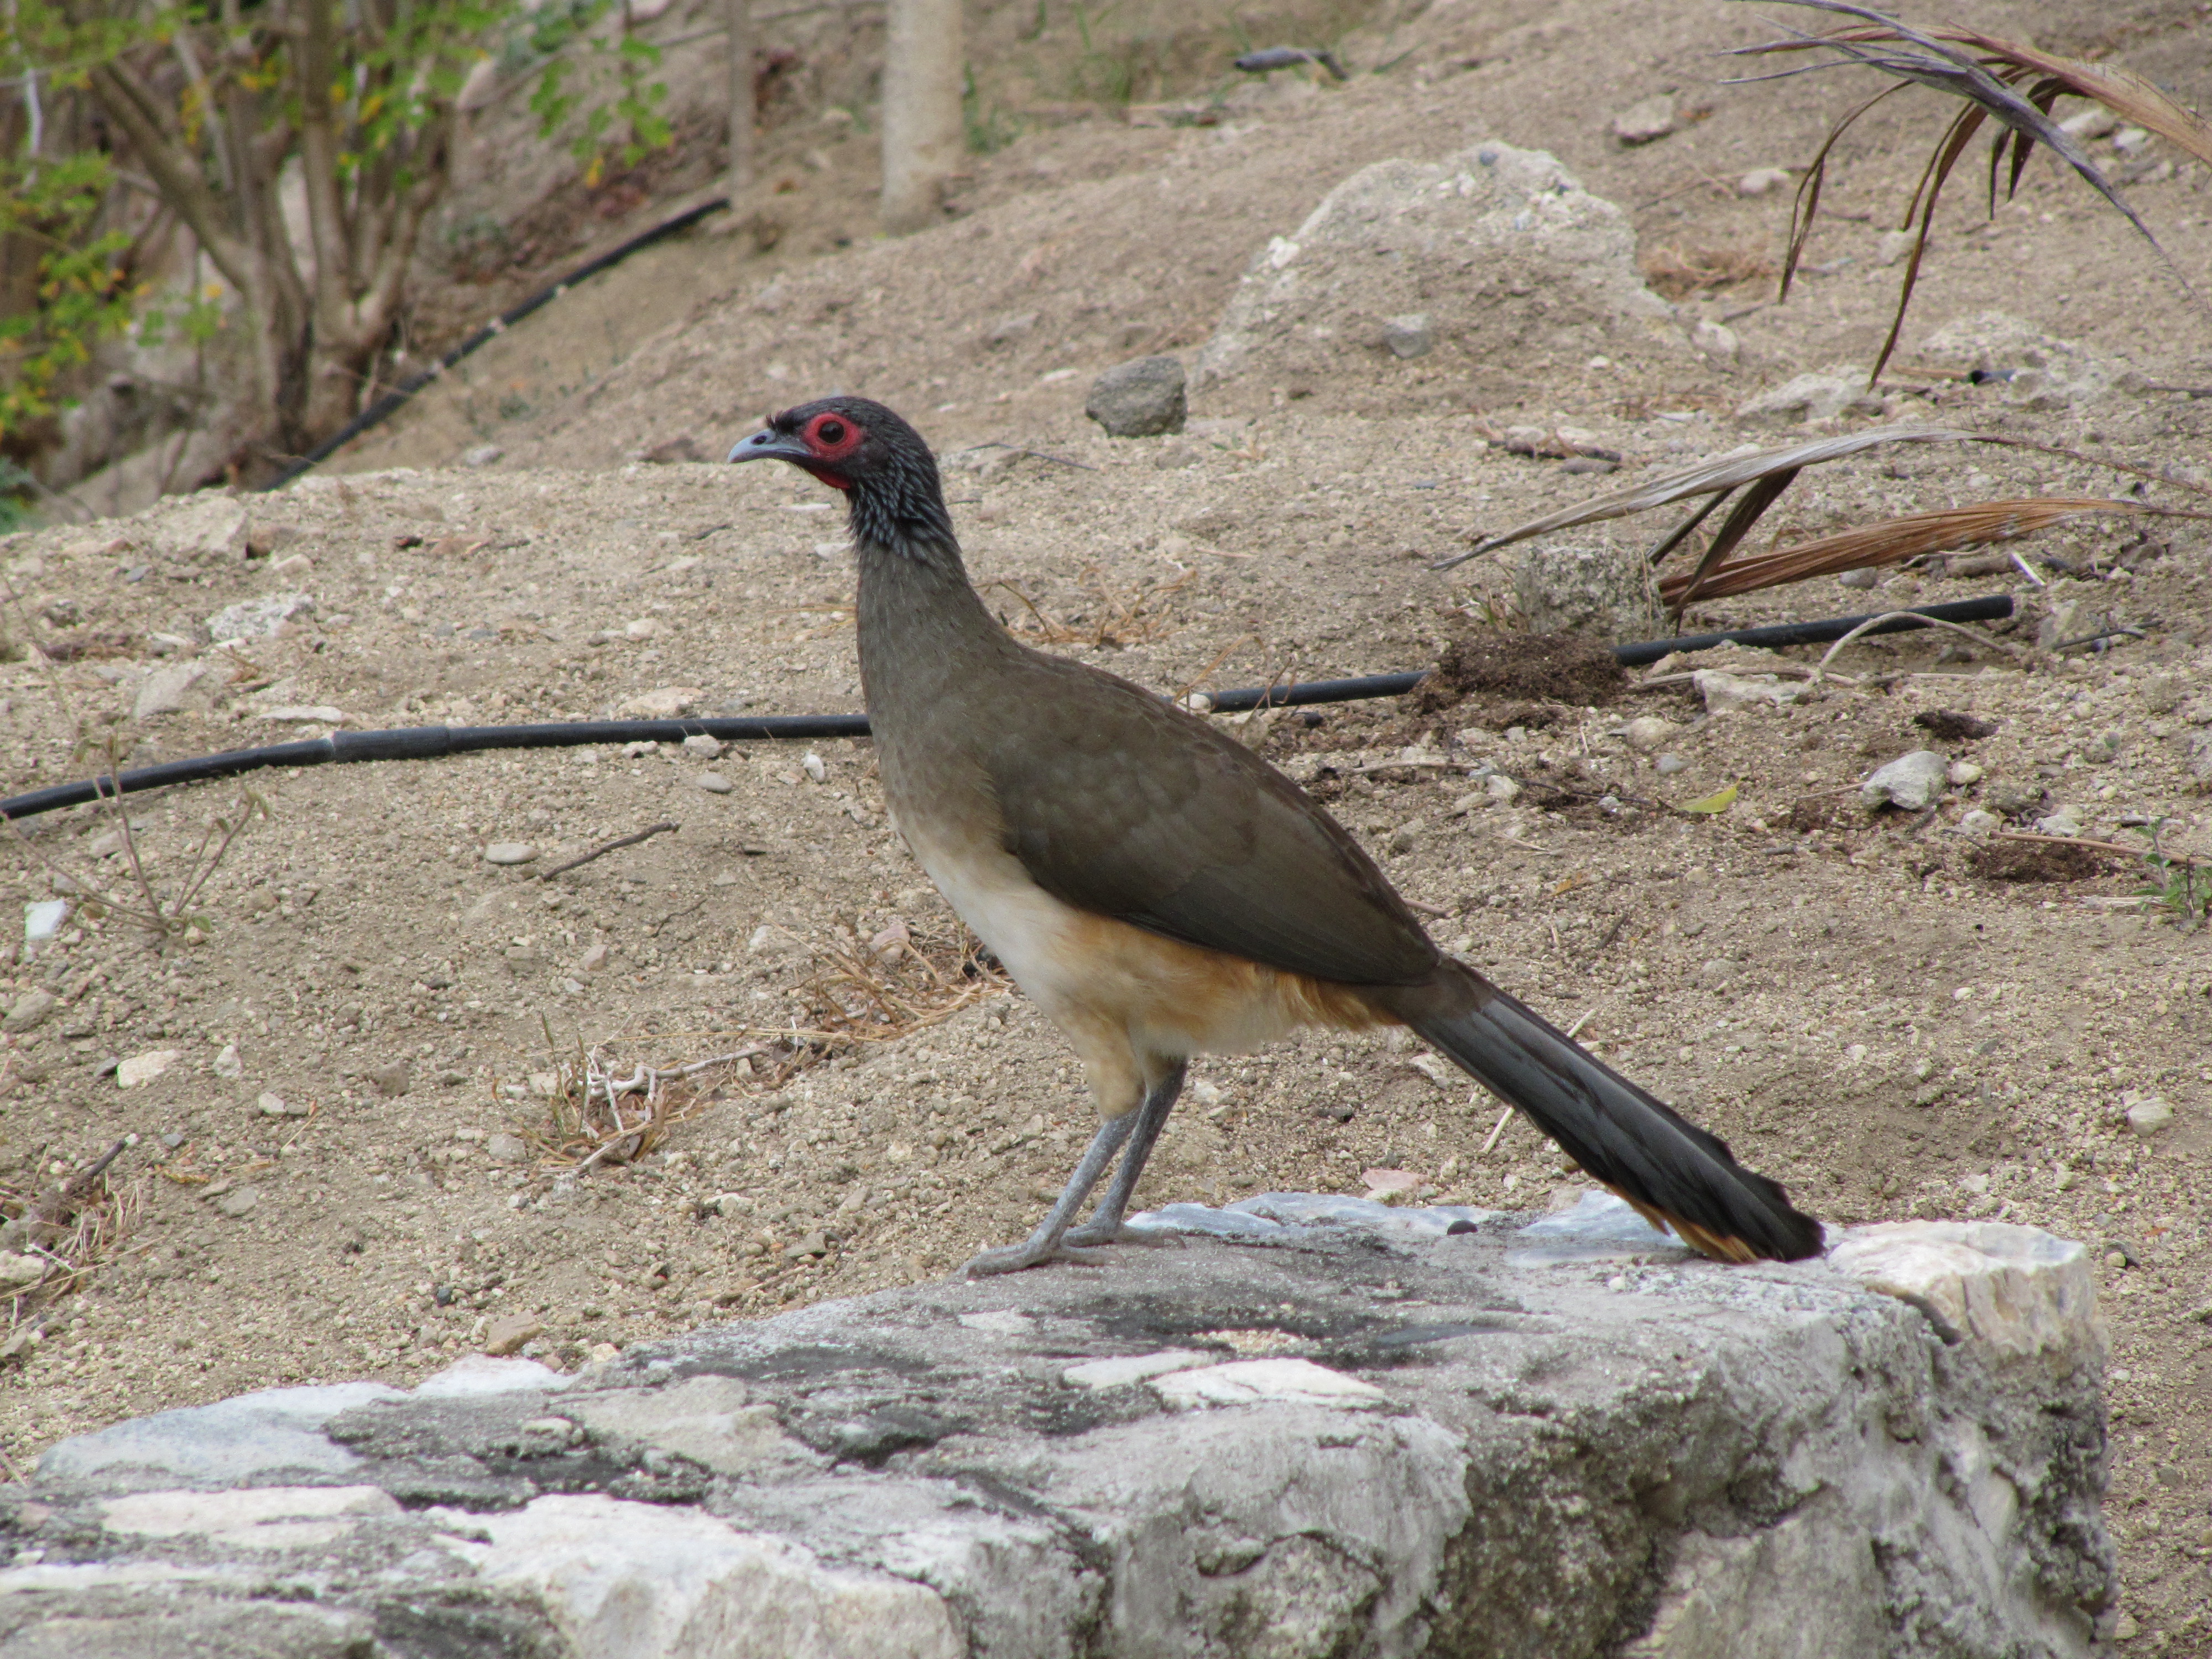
point(68, 1228)
point(603, 1108)
point(1675, 273)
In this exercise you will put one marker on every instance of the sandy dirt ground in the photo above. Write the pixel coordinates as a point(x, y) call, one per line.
point(360, 1158)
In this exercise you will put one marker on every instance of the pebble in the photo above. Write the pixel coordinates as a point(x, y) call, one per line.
point(1963, 773)
point(700, 744)
point(1909, 782)
point(243, 1201)
point(667, 702)
point(506, 1148)
point(505, 1334)
point(594, 957)
point(509, 852)
point(144, 1068)
point(1760, 180)
point(1865, 577)
point(2148, 1115)
point(481, 455)
point(30, 1010)
point(713, 783)
point(392, 1079)
point(813, 765)
point(1980, 823)
point(1502, 790)
point(259, 619)
point(1722, 692)
point(1667, 765)
point(1409, 336)
point(1645, 120)
point(2065, 821)
point(815, 1243)
point(227, 1064)
point(1140, 398)
point(19, 1271)
point(1647, 731)
point(272, 1105)
point(1894, 244)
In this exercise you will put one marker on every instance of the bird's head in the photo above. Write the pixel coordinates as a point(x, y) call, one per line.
point(859, 446)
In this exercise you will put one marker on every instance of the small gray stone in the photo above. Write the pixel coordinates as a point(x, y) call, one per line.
point(1645, 120)
point(713, 783)
point(274, 1105)
point(481, 455)
point(1816, 397)
point(239, 1203)
point(1409, 336)
point(509, 852)
point(207, 528)
point(1911, 782)
point(391, 1079)
point(1667, 765)
point(2148, 1114)
point(177, 687)
point(257, 619)
point(1140, 398)
point(507, 1148)
point(30, 1010)
point(702, 745)
point(1862, 579)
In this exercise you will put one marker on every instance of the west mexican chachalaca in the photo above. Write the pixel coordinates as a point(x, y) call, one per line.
point(1161, 891)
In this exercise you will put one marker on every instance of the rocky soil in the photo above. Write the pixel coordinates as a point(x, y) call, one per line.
point(351, 1167)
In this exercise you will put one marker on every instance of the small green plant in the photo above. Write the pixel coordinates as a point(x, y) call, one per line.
point(989, 132)
point(2181, 887)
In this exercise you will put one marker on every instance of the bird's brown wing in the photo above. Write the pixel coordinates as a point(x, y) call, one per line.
point(1120, 803)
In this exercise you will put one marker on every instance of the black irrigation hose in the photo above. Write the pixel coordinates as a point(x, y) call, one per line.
point(383, 409)
point(425, 742)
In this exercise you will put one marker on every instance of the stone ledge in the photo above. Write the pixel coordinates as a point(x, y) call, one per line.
point(1299, 1426)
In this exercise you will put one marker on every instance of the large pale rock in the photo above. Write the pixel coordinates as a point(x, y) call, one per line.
point(1506, 261)
point(1321, 1426)
point(206, 529)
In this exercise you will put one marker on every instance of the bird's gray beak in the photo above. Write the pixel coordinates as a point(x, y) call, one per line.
point(770, 444)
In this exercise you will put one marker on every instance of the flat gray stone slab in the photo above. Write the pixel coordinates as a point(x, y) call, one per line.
point(1299, 1426)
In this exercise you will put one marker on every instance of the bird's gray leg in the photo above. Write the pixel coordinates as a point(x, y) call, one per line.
point(1047, 1244)
point(1105, 1227)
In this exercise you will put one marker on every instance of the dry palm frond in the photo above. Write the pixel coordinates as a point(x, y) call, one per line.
point(2012, 84)
point(1893, 540)
point(1714, 478)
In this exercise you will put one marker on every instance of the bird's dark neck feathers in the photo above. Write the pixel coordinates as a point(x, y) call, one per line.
point(900, 510)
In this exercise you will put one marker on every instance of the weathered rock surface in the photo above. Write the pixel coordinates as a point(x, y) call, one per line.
point(1141, 398)
point(1601, 590)
point(1502, 256)
point(1308, 1426)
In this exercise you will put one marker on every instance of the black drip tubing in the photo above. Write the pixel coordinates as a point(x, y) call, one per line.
point(426, 742)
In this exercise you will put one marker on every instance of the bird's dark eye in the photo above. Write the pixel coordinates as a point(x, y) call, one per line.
point(830, 432)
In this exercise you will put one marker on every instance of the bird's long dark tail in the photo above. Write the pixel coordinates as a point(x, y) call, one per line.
point(1670, 1169)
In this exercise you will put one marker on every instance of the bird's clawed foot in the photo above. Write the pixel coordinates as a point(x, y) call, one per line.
point(1092, 1234)
point(1030, 1253)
